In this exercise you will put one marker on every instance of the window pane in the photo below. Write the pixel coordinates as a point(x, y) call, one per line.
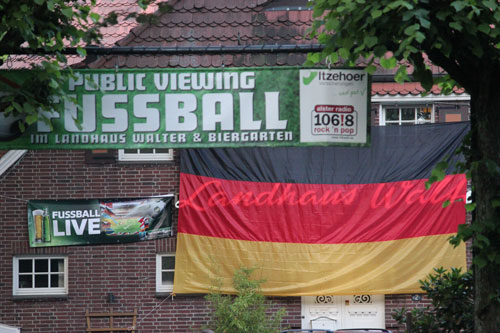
point(25, 266)
point(25, 281)
point(392, 114)
point(41, 265)
point(41, 281)
point(162, 150)
point(130, 151)
point(146, 151)
point(56, 280)
point(167, 262)
point(408, 114)
point(424, 114)
point(167, 278)
point(56, 265)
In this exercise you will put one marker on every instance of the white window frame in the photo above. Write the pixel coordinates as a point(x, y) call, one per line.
point(49, 291)
point(138, 156)
point(159, 286)
point(415, 121)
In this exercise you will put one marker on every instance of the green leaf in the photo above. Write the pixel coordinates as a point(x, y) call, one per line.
point(17, 106)
point(331, 24)
point(484, 28)
point(68, 12)
point(95, 17)
point(470, 207)
point(370, 69)
point(495, 203)
point(483, 239)
point(28, 108)
point(388, 63)
point(424, 22)
point(409, 31)
point(31, 119)
point(313, 57)
point(334, 57)
point(446, 203)
point(81, 51)
point(344, 53)
point(401, 75)
point(456, 26)
point(376, 13)
point(379, 51)
point(419, 37)
point(53, 84)
point(458, 5)
point(491, 4)
point(370, 41)
point(50, 5)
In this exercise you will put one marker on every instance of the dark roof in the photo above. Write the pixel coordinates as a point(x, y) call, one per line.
point(214, 23)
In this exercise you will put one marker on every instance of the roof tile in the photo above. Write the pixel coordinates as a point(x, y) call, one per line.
point(407, 88)
point(187, 4)
point(198, 4)
point(216, 61)
point(131, 62)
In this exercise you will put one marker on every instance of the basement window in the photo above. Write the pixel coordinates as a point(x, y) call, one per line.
point(140, 155)
point(40, 275)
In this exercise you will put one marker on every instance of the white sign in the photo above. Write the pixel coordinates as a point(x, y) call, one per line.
point(334, 105)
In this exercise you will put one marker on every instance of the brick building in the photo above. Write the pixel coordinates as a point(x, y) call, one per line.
point(124, 277)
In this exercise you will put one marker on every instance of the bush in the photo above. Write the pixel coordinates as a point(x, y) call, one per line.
point(245, 312)
point(452, 297)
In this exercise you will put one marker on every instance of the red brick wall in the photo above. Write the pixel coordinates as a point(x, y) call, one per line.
point(126, 270)
point(396, 302)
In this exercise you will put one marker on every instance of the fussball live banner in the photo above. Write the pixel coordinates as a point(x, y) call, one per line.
point(81, 222)
point(181, 108)
point(322, 220)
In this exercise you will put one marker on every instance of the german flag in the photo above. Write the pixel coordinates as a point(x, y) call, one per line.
point(322, 220)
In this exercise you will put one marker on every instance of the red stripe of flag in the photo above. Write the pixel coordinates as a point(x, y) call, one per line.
point(319, 213)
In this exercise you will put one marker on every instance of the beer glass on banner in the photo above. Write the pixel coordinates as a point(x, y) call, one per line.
point(47, 230)
point(38, 219)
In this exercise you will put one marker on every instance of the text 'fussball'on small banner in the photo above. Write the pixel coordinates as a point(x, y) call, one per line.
point(81, 222)
point(188, 108)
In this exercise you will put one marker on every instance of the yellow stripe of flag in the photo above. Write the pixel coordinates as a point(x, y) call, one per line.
point(290, 269)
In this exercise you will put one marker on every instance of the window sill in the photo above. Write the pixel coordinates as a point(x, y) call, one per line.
point(40, 297)
point(146, 162)
point(165, 294)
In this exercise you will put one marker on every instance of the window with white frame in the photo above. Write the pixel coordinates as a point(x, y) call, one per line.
point(151, 154)
point(406, 115)
point(165, 267)
point(40, 275)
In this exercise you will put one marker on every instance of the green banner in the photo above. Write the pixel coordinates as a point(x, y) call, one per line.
point(80, 222)
point(172, 108)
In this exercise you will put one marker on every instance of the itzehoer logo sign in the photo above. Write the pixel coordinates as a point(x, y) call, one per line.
point(164, 108)
point(336, 107)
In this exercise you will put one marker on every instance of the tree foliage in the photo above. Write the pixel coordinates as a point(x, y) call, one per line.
point(453, 34)
point(245, 312)
point(462, 37)
point(452, 297)
point(45, 28)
